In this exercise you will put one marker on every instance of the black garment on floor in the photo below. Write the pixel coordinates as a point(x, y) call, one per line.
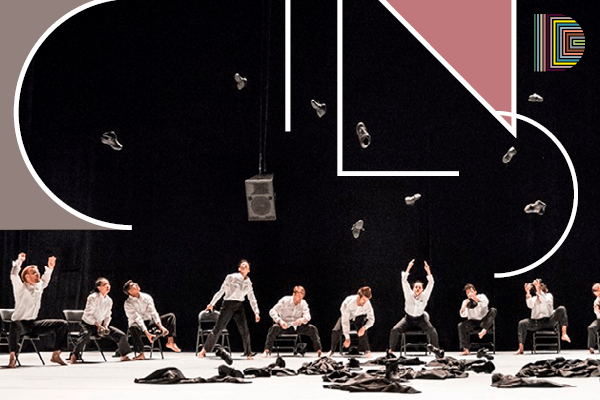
point(171, 375)
point(562, 367)
point(477, 365)
point(368, 383)
point(322, 366)
point(509, 381)
point(389, 357)
point(277, 368)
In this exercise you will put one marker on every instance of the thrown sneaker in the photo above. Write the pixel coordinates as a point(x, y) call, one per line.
point(509, 155)
point(439, 353)
point(357, 228)
point(483, 352)
point(321, 108)
point(536, 98)
point(411, 200)
point(110, 138)
point(363, 136)
point(241, 82)
point(220, 352)
point(539, 207)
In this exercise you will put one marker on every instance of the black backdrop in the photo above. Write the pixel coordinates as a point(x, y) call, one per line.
point(161, 76)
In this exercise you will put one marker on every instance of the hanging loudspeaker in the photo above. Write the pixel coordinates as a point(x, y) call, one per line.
point(260, 198)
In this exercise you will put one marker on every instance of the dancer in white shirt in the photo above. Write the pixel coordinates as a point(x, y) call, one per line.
point(594, 326)
point(475, 309)
point(142, 317)
point(414, 307)
point(291, 315)
point(28, 290)
point(356, 311)
point(235, 288)
point(543, 314)
point(96, 317)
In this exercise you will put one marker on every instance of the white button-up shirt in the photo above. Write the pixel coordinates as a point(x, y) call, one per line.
point(235, 287)
point(542, 305)
point(597, 307)
point(98, 309)
point(28, 297)
point(287, 311)
point(415, 306)
point(350, 310)
point(140, 309)
point(478, 312)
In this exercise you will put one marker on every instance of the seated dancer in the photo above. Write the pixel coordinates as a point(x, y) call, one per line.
point(97, 317)
point(475, 309)
point(291, 315)
point(356, 310)
point(594, 326)
point(142, 316)
point(415, 301)
point(28, 300)
point(235, 288)
point(543, 314)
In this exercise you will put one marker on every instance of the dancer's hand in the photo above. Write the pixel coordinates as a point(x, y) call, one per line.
point(410, 265)
point(22, 257)
point(427, 268)
point(51, 262)
point(209, 307)
point(256, 317)
point(361, 331)
point(346, 343)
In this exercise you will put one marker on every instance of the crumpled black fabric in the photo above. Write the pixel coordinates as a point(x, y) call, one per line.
point(322, 366)
point(388, 358)
point(274, 369)
point(477, 365)
point(172, 375)
point(562, 367)
point(363, 382)
point(510, 381)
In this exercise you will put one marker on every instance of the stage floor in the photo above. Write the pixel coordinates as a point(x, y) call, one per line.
point(114, 380)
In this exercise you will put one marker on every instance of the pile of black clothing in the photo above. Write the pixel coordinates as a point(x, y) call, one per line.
point(171, 375)
point(509, 381)
point(561, 367)
point(322, 366)
point(277, 368)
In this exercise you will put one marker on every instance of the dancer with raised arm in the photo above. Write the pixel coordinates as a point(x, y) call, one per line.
point(543, 314)
point(28, 290)
point(415, 301)
point(475, 309)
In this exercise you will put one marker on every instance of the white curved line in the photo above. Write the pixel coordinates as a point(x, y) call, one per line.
point(18, 127)
point(575, 197)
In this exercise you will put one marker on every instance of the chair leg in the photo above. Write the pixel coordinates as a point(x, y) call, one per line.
point(37, 351)
point(197, 340)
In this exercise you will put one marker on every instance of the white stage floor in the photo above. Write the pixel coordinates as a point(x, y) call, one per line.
point(113, 380)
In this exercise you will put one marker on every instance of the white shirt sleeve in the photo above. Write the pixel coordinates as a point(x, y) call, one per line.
point(427, 291)
point(463, 309)
point(275, 311)
point(345, 319)
point(370, 315)
point(221, 291)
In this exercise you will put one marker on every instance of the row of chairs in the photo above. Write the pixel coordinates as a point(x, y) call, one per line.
point(547, 339)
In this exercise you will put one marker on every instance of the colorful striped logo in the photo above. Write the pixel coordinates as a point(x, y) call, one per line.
point(558, 42)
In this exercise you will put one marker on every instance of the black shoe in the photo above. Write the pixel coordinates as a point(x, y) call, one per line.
point(220, 352)
point(439, 353)
point(483, 352)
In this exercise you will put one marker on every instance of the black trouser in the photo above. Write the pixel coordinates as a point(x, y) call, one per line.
point(409, 321)
point(356, 323)
point(593, 334)
point(468, 326)
point(528, 324)
point(305, 329)
point(167, 320)
point(115, 335)
point(235, 309)
point(60, 327)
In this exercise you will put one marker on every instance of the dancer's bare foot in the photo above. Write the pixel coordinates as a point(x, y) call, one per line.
point(125, 358)
point(249, 357)
point(591, 350)
point(173, 346)
point(56, 358)
point(520, 351)
point(265, 354)
point(565, 338)
point(368, 354)
point(329, 354)
point(319, 353)
point(73, 359)
point(482, 333)
point(140, 356)
point(12, 362)
point(465, 352)
point(202, 354)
